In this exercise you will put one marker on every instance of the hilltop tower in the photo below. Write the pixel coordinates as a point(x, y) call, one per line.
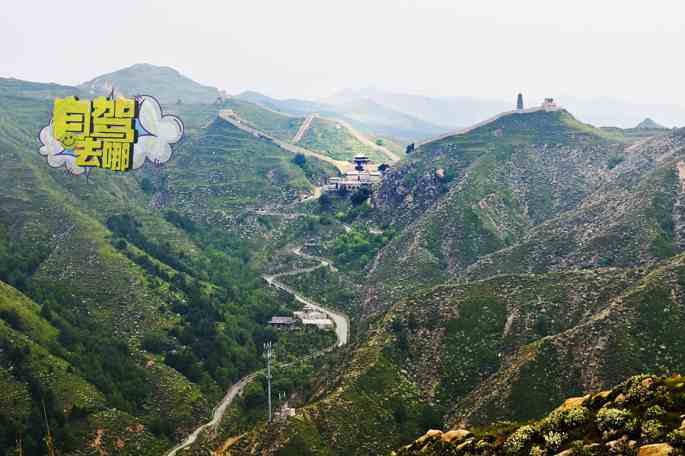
point(519, 101)
point(361, 162)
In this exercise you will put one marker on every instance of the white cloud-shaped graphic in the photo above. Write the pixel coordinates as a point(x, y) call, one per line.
point(55, 154)
point(156, 133)
point(159, 132)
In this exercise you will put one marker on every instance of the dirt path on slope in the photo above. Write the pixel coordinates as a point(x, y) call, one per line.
point(303, 128)
point(393, 157)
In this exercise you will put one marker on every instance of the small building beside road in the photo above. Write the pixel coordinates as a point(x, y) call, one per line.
point(279, 322)
point(310, 316)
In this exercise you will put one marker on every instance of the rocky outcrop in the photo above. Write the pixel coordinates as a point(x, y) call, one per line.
point(639, 417)
point(656, 449)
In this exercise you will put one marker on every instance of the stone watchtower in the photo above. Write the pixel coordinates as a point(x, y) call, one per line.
point(519, 101)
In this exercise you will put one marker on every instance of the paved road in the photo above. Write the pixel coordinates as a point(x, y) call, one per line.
point(342, 322)
point(342, 331)
point(217, 414)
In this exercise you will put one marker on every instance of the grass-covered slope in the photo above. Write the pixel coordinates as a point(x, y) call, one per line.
point(125, 316)
point(528, 193)
point(503, 344)
point(332, 139)
point(54, 246)
point(508, 348)
point(166, 84)
point(281, 126)
point(323, 135)
point(223, 169)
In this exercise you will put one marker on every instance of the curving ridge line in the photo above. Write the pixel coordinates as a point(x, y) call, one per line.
point(492, 119)
point(342, 331)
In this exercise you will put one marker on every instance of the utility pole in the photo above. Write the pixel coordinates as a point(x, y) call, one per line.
point(268, 354)
point(48, 436)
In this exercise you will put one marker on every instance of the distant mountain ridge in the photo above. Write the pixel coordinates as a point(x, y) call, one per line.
point(20, 88)
point(447, 112)
point(364, 114)
point(649, 124)
point(165, 83)
point(460, 111)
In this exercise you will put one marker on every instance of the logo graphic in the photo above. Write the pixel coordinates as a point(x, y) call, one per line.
point(116, 134)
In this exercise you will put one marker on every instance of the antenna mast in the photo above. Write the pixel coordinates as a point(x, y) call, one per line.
point(268, 354)
point(48, 437)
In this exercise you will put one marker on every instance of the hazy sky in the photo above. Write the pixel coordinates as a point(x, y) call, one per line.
point(629, 49)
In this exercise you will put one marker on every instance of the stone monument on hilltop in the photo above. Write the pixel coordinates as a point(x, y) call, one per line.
point(519, 101)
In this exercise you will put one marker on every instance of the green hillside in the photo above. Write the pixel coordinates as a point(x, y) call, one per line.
point(334, 140)
point(223, 170)
point(125, 316)
point(166, 84)
point(500, 350)
point(531, 259)
point(278, 125)
point(468, 196)
point(323, 135)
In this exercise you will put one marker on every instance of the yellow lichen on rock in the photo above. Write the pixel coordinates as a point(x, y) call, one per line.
point(456, 435)
point(573, 402)
point(656, 449)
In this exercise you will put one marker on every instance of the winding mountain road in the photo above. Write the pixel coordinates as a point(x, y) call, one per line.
point(342, 322)
point(342, 331)
point(217, 413)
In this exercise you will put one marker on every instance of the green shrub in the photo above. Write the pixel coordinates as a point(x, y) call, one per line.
point(520, 439)
point(653, 430)
point(612, 421)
